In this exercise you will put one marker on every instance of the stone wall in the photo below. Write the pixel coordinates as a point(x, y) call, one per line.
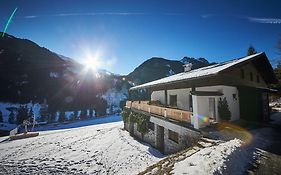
point(186, 137)
point(148, 137)
point(184, 141)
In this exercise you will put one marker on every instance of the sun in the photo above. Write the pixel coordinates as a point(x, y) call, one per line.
point(92, 64)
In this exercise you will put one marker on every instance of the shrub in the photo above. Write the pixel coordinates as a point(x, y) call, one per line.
point(125, 115)
point(223, 109)
point(142, 124)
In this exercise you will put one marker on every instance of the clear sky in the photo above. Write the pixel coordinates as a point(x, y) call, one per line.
point(123, 34)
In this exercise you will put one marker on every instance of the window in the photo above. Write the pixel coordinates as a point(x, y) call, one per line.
point(242, 74)
point(190, 102)
point(173, 100)
point(251, 76)
point(258, 78)
point(151, 126)
point(174, 136)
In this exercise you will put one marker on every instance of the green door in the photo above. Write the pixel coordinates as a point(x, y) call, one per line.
point(250, 100)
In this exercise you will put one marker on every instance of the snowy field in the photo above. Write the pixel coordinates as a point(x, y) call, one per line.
point(103, 147)
point(95, 149)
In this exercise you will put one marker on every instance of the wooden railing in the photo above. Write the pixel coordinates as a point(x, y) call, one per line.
point(176, 114)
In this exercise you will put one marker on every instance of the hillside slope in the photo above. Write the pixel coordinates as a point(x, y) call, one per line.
point(156, 68)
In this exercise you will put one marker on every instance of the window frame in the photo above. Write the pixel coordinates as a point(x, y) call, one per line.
point(175, 102)
point(173, 136)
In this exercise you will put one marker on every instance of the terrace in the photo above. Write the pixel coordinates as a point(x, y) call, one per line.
point(159, 110)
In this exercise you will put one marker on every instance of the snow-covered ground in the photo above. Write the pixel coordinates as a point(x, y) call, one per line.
point(211, 160)
point(105, 148)
point(95, 149)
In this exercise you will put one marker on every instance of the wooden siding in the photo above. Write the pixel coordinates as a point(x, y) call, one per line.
point(176, 114)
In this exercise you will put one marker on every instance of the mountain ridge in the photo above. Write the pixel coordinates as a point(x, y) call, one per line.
point(30, 72)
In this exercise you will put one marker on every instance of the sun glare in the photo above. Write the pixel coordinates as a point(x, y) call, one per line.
point(92, 63)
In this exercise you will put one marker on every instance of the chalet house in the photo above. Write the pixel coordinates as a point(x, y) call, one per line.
point(183, 103)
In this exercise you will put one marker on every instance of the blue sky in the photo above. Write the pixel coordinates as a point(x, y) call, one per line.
point(123, 34)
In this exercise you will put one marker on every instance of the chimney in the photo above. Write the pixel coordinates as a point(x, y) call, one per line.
point(187, 67)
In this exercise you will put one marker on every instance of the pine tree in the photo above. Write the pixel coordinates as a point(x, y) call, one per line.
point(1, 117)
point(22, 114)
point(91, 113)
point(31, 114)
point(223, 109)
point(75, 115)
point(83, 114)
point(251, 50)
point(62, 116)
point(11, 117)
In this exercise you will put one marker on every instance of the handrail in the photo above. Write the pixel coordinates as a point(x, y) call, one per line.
point(176, 114)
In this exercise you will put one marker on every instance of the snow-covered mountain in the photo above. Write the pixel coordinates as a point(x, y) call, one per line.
point(29, 72)
point(156, 68)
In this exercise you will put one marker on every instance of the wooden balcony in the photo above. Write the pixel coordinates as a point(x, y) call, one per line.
point(167, 112)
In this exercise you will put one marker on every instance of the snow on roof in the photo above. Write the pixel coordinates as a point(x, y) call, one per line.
point(196, 73)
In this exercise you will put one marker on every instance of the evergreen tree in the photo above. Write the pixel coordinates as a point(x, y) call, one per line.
point(11, 117)
point(101, 106)
point(62, 116)
point(277, 86)
point(1, 117)
point(75, 116)
point(22, 114)
point(83, 114)
point(223, 109)
point(52, 116)
point(31, 114)
point(91, 113)
point(251, 50)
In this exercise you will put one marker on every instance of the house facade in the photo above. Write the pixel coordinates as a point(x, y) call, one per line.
point(191, 99)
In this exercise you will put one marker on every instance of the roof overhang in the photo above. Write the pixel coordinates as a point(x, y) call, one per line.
point(268, 90)
point(259, 60)
point(206, 93)
point(186, 83)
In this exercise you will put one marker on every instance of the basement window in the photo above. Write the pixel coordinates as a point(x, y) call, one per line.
point(174, 136)
point(151, 126)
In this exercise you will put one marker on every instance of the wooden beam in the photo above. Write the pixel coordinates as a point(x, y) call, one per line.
point(166, 97)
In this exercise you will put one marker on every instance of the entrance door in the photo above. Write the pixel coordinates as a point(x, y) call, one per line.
point(212, 109)
point(160, 144)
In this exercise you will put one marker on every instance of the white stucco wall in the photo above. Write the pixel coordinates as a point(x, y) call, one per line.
point(228, 92)
point(182, 97)
point(201, 104)
point(158, 95)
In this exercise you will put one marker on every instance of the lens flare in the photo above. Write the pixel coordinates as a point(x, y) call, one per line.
point(9, 21)
point(235, 131)
point(203, 118)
